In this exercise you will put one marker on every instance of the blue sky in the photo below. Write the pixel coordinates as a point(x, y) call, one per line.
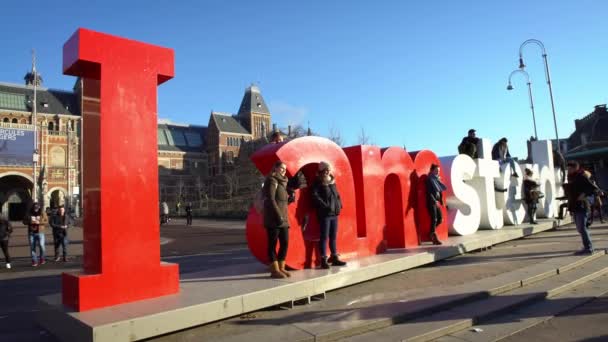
point(413, 73)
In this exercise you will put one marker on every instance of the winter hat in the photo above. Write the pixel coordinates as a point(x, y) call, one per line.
point(324, 166)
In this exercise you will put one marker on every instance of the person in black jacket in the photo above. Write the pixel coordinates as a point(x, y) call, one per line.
point(276, 219)
point(326, 200)
point(5, 232)
point(468, 145)
point(500, 153)
point(189, 214)
point(531, 195)
point(578, 205)
point(434, 200)
point(59, 223)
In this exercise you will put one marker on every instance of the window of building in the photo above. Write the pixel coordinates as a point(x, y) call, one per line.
point(178, 137)
point(51, 126)
point(6, 120)
point(193, 139)
point(15, 121)
point(23, 121)
point(162, 138)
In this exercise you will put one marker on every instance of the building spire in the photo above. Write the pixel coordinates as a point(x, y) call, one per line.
point(33, 74)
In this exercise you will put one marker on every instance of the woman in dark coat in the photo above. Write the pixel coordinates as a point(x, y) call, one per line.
point(275, 219)
point(434, 201)
point(531, 195)
point(326, 200)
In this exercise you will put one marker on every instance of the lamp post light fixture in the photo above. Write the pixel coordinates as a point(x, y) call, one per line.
point(547, 75)
point(529, 83)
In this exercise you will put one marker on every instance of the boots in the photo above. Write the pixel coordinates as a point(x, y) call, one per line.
point(533, 217)
point(435, 239)
point(324, 264)
point(335, 261)
point(282, 268)
point(275, 272)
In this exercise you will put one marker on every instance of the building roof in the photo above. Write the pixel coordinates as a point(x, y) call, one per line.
point(50, 101)
point(181, 138)
point(227, 123)
point(253, 102)
point(590, 130)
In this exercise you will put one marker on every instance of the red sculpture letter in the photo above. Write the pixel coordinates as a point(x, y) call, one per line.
point(121, 210)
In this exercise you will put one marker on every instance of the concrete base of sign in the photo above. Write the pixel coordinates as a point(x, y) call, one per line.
point(224, 292)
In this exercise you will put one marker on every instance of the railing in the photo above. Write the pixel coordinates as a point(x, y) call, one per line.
point(17, 126)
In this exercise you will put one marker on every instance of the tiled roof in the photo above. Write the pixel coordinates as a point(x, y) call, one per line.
point(228, 124)
point(50, 101)
point(253, 102)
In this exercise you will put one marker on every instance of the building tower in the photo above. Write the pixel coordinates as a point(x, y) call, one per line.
point(253, 113)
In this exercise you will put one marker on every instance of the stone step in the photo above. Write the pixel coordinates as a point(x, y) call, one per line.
point(348, 321)
point(443, 323)
point(529, 316)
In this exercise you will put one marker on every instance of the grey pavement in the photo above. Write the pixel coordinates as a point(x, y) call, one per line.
point(441, 276)
point(209, 244)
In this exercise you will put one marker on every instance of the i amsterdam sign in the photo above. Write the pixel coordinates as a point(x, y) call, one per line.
point(383, 191)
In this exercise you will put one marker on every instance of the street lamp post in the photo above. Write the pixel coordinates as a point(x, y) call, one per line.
point(529, 83)
point(547, 75)
point(35, 123)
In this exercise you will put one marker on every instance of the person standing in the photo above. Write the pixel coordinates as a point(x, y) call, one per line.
point(164, 209)
point(326, 200)
point(578, 205)
point(531, 195)
point(276, 219)
point(434, 201)
point(5, 232)
point(59, 224)
point(469, 145)
point(37, 222)
point(500, 152)
point(188, 214)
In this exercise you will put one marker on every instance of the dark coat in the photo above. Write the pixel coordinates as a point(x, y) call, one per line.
point(468, 146)
point(531, 193)
point(275, 202)
point(433, 197)
point(326, 198)
point(579, 185)
point(5, 229)
point(496, 152)
point(58, 222)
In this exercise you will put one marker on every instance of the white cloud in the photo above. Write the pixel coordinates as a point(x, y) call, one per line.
point(287, 114)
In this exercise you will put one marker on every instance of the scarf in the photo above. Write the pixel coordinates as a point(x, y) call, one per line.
point(438, 187)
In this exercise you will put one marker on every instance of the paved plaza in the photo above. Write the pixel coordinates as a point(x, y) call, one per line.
point(213, 243)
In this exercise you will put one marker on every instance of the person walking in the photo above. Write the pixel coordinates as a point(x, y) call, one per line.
point(188, 214)
point(164, 209)
point(531, 195)
point(578, 204)
point(326, 200)
point(36, 226)
point(500, 153)
point(434, 201)
point(6, 229)
point(59, 223)
point(276, 219)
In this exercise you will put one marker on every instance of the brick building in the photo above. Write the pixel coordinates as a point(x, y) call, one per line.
point(58, 145)
point(196, 163)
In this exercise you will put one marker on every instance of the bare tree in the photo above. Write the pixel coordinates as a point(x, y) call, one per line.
point(362, 138)
point(335, 135)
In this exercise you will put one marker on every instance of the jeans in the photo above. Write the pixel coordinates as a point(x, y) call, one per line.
point(60, 239)
point(188, 219)
point(37, 239)
point(511, 163)
point(580, 219)
point(329, 229)
point(4, 245)
point(282, 235)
